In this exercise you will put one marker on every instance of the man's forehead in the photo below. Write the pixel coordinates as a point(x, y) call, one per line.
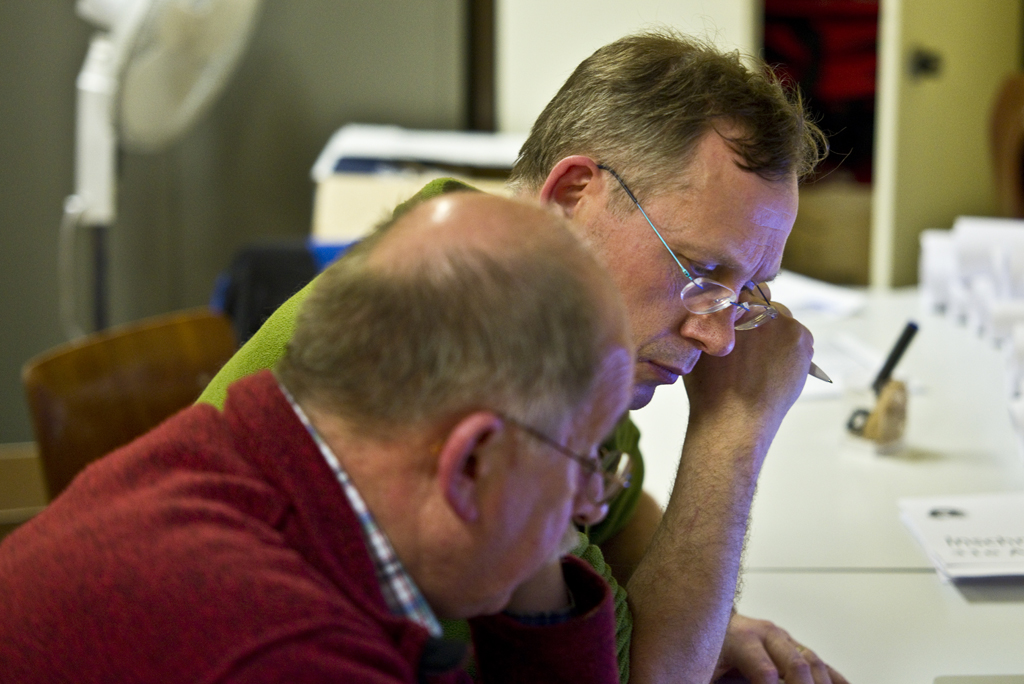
point(775, 216)
point(760, 260)
point(750, 244)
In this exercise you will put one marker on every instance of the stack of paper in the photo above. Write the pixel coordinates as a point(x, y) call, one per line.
point(391, 143)
point(970, 536)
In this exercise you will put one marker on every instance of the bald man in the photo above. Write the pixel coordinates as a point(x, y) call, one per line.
point(421, 452)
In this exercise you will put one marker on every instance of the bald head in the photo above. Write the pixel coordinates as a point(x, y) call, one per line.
point(466, 223)
point(466, 301)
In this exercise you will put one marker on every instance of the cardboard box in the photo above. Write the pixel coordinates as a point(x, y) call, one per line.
point(831, 237)
point(348, 205)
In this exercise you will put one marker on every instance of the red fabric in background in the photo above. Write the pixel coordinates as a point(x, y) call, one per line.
point(829, 48)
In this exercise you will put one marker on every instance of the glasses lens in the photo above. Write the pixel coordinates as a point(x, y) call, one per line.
point(614, 476)
point(752, 315)
point(704, 296)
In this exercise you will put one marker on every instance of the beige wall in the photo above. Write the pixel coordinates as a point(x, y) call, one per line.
point(932, 158)
point(242, 174)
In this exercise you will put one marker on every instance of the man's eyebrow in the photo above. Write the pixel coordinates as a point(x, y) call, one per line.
point(720, 257)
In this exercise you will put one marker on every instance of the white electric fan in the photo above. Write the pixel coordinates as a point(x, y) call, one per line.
point(151, 70)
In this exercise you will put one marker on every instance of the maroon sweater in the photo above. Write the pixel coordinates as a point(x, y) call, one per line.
point(220, 548)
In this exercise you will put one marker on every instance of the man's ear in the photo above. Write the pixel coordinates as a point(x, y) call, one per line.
point(459, 464)
point(568, 182)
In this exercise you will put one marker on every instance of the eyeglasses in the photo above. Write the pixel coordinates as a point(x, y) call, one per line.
point(607, 475)
point(705, 296)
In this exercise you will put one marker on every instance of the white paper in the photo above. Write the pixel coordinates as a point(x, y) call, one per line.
point(848, 361)
point(804, 295)
point(392, 143)
point(979, 535)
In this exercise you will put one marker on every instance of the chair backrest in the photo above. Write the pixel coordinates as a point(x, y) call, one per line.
point(90, 396)
point(1007, 140)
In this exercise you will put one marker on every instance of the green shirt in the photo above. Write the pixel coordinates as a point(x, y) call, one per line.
point(267, 346)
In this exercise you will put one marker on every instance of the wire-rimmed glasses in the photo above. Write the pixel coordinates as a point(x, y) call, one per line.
point(607, 475)
point(706, 296)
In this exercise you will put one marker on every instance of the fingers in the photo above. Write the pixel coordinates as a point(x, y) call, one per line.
point(836, 677)
point(758, 292)
point(783, 309)
point(767, 654)
point(796, 663)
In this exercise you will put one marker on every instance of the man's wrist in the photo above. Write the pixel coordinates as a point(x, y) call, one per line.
point(545, 592)
point(548, 617)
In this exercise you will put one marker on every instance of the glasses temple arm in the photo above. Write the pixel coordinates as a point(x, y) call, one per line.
point(648, 218)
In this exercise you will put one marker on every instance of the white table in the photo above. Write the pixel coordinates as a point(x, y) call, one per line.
point(827, 556)
point(892, 628)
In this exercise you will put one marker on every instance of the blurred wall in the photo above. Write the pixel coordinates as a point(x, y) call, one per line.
point(533, 58)
point(241, 174)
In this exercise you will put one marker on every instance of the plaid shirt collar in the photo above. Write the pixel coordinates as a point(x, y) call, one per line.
point(400, 592)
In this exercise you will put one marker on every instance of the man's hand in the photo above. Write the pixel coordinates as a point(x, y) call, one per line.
point(766, 654)
point(764, 373)
point(752, 388)
point(545, 591)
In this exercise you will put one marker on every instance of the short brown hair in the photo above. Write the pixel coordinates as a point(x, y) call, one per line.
point(520, 330)
point(642, 104)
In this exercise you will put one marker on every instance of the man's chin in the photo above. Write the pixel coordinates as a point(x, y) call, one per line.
point(649, 377)
point(642, 395)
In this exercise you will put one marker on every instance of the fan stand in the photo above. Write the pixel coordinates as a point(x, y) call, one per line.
point(100, 313)
point(102, 114)
point(93, 205)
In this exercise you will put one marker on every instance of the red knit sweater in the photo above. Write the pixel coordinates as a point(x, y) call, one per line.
point(220, 548)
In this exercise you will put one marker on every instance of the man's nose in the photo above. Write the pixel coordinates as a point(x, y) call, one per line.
point(714, 333)
point(585, 511)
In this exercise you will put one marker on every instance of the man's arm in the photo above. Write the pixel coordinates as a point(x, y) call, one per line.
point(624, 551)
point(682, 591)
point(756, 649)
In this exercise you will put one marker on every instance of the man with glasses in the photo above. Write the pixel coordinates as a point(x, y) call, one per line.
point(678, 166)
point(420, 452)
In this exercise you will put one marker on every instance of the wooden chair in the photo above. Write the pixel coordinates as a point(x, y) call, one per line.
point(90, 396)
point(1006, 136)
